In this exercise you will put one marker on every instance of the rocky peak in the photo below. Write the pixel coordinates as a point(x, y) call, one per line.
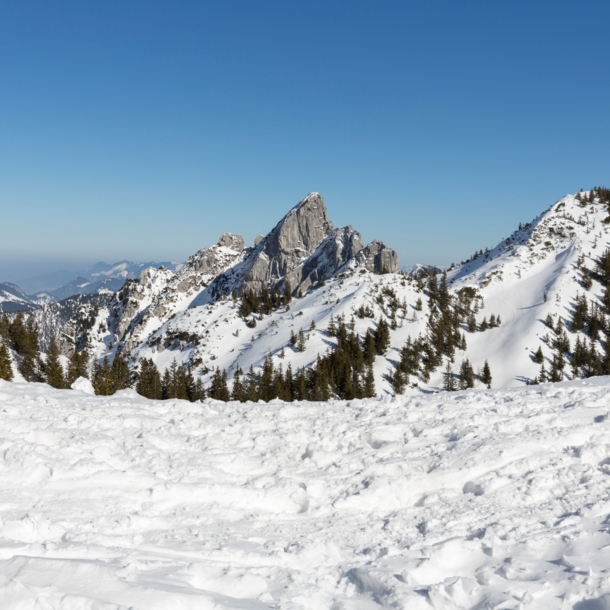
point(232, 241)
point(292, 240)
point(378, 258)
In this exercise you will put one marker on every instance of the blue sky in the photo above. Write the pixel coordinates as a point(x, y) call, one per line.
point(144, 130)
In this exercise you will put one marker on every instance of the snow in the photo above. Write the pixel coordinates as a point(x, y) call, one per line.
point(512, 279)
point(477, 499)
point(82, 384)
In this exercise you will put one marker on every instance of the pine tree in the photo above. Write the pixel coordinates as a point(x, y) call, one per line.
point(266, 392)
point(555, 375)
point(6, 370)
point(369, 348)
point(398, 381)
point(5, 326)
point(538, 356)
point(102, 378)
point(55, 375)
point(121, 375)
point(237, 393)
point(369, 383)
point(448, 379)
point(466, 375)
point(301, 341)
point(382, 337)
point(486, 376)
point(542, 376)
point(148, 382)
point(219, 389)
point(77, 367)
point(483, 326)
point(287, 293)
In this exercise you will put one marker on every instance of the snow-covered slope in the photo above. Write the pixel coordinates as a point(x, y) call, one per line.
point(12, 299)
point(477, 499)
point(530, 275)
point(189, 316)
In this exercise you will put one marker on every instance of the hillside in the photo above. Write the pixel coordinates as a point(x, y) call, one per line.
point(512, 307)
point(477, 499)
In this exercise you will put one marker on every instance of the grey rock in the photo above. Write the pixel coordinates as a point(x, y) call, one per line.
point(230, 240)
point(292, 240)
point(377, 257)
point(333, 253)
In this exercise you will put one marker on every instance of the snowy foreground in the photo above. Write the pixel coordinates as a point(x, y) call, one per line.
point(480, 499)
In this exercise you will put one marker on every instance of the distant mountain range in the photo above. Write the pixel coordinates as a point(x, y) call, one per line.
point(58, 285)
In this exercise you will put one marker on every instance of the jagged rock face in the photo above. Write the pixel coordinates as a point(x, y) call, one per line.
point(377, 257)
point(161, 295)
point(207, 260)
point(293, 239)
point(332, 254)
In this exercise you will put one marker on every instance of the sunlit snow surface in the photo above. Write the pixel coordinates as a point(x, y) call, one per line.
point(479, 499)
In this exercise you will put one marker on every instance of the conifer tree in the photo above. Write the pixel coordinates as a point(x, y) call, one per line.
point(77, 367)
point(121, 375)
point(382, 337)
point(289, 383)
point(369, 348)
point(219, 389)
point(148, 382)
point(102, 378)
point(538, 356)
point(398, 381)
point(369, 383)
point(466, 375)
point(55, 375)
point(6, 370)
point(448, 379)
point(237, 392)
point(287, 293)
point(5, 326)
point(301, 341)
point(251, 389)
point(542, 376)
point(486, 376)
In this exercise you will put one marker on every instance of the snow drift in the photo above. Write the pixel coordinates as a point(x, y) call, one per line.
point(477, 499)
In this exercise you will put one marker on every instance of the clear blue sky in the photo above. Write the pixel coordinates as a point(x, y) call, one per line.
point(144, 130)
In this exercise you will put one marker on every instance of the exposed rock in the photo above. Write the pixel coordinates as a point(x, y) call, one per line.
point(258, 239)
point(379, 258)
point(332, 254)
point(292, 240)
point(232, 241)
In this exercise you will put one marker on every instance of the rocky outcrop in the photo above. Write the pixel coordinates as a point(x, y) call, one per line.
point(378, 258)
point(294, 239)
point(332, 254)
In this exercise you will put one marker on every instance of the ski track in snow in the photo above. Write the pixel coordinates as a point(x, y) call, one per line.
point(476, 499)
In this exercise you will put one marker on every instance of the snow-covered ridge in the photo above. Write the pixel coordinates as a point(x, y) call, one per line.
point(477, 499)
point(190, 317)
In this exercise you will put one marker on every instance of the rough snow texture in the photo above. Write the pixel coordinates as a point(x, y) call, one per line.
point(478, 499)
